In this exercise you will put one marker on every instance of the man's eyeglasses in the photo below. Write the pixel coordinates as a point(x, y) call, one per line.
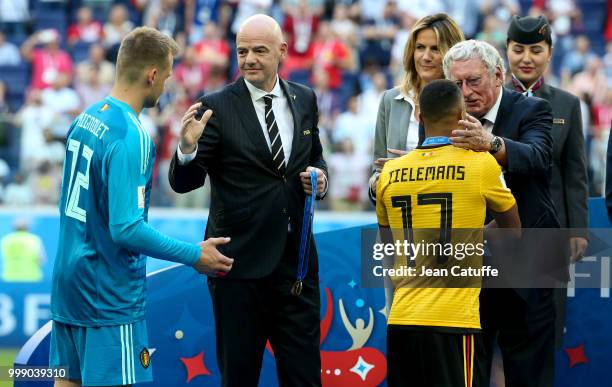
point(470, 82)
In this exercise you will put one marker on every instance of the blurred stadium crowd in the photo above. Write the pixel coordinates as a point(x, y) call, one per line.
point(57, 57)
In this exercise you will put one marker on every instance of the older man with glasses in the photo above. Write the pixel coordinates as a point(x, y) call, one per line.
point(516, 130)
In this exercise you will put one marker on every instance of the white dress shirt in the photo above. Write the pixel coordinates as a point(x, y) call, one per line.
point(491, 115)
point(282, 113)
point(412, 137)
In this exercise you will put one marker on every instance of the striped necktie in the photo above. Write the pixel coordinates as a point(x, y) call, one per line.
point(276, 144)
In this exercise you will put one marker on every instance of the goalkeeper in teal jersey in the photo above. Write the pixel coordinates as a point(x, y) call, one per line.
point(98, 290)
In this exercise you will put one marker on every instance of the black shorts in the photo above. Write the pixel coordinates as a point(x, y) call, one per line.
point(417, 356)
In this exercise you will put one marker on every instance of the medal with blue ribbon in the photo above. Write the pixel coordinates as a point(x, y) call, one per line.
point(438, 140)
point(305, 236)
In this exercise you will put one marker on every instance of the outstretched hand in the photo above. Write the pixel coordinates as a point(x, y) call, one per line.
point(192, 127)
point(380, 162)
point(212, 262)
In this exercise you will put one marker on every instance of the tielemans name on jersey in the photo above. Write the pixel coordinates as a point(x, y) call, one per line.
point(440, 172)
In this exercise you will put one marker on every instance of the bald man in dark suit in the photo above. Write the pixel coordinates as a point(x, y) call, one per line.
point(258, 148)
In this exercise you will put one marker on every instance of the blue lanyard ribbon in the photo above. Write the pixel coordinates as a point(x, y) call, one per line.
point(438, 140)
point(305, 236)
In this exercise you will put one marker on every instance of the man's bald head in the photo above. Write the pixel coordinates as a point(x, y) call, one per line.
point(260, 49)
point(263, 25)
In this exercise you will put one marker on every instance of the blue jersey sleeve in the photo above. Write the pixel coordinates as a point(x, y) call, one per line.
point(126, 196)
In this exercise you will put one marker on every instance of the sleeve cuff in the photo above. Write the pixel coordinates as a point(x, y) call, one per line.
point(185, 158)
point(195, 256)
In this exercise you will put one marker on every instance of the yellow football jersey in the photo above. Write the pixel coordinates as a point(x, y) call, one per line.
point(429, 195)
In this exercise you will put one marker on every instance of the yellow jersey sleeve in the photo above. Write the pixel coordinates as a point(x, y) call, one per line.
point(493, 187)
point(381, 210)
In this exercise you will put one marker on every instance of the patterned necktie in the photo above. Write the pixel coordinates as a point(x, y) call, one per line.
point(276, 144)
point(518, 86)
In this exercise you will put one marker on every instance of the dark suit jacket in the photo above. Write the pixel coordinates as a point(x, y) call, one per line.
point(525, 125)
point(251, 201)
point(569, 174)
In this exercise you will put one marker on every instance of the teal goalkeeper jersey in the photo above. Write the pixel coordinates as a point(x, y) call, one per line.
point(99, 275)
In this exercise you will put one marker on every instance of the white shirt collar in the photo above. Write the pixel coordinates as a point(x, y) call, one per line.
point(492, 113)
point(257, 93)
point(407, 98)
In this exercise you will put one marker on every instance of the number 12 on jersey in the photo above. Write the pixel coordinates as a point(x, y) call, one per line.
point(81, 181)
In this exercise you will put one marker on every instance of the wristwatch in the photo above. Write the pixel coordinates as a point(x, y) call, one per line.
point(496, 144)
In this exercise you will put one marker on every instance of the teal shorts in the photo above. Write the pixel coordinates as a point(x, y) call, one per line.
point(102, 356)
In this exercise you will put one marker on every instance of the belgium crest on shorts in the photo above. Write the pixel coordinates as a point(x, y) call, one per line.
point(145, 358)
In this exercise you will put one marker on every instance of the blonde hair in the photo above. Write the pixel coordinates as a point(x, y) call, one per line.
point(141, 48)
point(447, 33)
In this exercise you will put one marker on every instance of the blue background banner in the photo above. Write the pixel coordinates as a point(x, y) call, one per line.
point(181, 328)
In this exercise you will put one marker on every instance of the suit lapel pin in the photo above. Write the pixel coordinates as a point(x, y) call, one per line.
point(293, 96)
